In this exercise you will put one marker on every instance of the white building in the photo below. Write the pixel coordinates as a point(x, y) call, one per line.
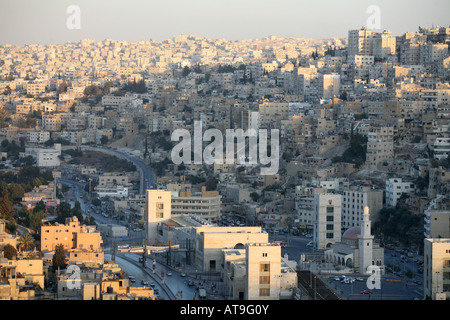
point(111, 191)
point(327, 219)
point(441, 148)
point(250, 120)
point(353, 203)
point(358, 250)
point(395, 187)
point(39, 136)
point(45, 157)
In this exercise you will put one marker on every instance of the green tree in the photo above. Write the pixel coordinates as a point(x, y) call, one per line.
point(9, 251)
point(255, 196)
point(104, 139)
point(92, 90)
point(26, 242)
point(186, 71)
point(16, 191)
point(59, 258)
point(6, 207)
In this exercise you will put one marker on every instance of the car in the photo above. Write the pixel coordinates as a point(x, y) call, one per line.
point(133, 280)
point(366, 292)
point(359, 279)
point(337, 278)
point(183, 274)
point(169, 273)
point(156, 291)
point(145, 283)
point(152, 284)
point(191, 283)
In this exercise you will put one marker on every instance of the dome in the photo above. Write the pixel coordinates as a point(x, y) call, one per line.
point(352, 233)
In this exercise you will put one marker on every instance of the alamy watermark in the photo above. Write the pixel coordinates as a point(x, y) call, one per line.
point(373, 22)
point(74, 278)
point(74, 20)
point(374, 280)
point(259, 153)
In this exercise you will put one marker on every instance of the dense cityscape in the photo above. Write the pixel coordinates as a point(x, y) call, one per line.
point(105, 196)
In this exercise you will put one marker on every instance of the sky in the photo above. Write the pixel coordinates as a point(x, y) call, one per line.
point(50, 22)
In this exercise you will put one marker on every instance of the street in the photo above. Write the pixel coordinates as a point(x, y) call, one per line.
point(168, 286)
point(392, 286)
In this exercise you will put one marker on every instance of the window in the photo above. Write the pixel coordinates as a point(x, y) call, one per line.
point(330, 209)
point(264, 280)
point(264, 292)
point(264, 267)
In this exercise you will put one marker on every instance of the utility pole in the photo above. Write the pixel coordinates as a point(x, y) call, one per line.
point(144, 253)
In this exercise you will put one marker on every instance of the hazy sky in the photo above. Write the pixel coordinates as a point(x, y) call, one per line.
point(44, 21)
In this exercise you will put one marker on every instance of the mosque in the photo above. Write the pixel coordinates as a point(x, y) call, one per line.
point(357, 249)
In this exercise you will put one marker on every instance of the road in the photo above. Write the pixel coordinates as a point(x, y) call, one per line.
point(147, 175)
point(167, 285)
point(392, 286)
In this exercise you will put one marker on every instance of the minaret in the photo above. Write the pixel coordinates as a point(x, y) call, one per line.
point(365, 243)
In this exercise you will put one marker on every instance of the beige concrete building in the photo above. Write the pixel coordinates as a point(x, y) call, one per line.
point(263, 271)
point(380, 146)
point(360, 42)
point(83, 243)
point(6, 238)
point(158, 209)
point(436, 274)
point(437, 223)
point(206, 204)
point(107, 282)
point(210, 240)
point(18, 277)
point(244, 279)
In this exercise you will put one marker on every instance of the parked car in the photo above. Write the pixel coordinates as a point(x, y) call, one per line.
point(366, 292)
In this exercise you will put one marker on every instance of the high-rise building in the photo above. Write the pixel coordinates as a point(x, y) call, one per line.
point(158, 210)
point(384, 45)
point(264, 260)
point(436, 268)
point(360, 42)
point(327, 219)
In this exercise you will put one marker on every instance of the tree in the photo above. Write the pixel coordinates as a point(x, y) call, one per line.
point(255, 196)
point(186, 71)
point(211, 184)
point(6, 208)
point(26, 242)
point(104, 139)
point(9, 251)
point(92, 90)
point(59, 258)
